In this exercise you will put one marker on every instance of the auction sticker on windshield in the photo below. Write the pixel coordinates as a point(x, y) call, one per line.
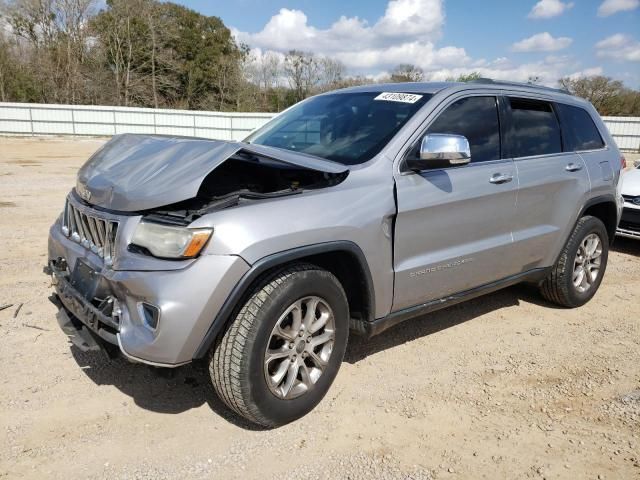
point(399, 97)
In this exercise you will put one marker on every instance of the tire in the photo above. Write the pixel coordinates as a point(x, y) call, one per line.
point(559, 286)
point(237, 364)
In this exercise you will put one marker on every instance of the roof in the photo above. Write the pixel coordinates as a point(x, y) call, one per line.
point(406, 87)
point(434, 87)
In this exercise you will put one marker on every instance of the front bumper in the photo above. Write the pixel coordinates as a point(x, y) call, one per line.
point(629, 222)
point(113, 308)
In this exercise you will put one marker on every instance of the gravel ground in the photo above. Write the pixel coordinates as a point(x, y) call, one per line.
point(505, 386)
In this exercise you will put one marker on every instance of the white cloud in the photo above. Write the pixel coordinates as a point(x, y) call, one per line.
point(619, 47)
point(541, 42)
point(407, 32)
point(547, 73)
point(403, 21)
point(609, 7)
point(424, 55)
point(549, 8)
point(587, 72)
point(404, 34)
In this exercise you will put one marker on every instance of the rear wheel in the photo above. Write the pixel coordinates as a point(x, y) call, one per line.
point(279, 356)
point(577, 274)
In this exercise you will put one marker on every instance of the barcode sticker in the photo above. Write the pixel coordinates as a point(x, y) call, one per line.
point(399, 97)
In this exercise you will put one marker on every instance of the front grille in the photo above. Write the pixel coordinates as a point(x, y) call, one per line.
point(632, 199)
point(631, 216)
point(90, 230)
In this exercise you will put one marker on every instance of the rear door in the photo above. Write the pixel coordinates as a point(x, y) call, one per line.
point(453, 227)
point(580, 134)
point(553, 180)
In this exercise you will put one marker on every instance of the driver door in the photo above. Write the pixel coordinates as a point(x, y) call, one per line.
point(453, 226)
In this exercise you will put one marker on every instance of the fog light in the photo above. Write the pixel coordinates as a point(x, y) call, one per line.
point(150, 315)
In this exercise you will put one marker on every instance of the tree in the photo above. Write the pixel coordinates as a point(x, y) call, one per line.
point(163, 54)
point(608, 96)
point(153, 53)
point(465, 77)
point(302, 72)
point(55, 31)
point(123, 34)
point(264, 72)
point(407, 73)
point(331, 73)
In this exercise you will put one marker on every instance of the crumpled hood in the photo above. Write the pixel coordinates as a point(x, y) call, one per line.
point(631, 182)
point(139, 172)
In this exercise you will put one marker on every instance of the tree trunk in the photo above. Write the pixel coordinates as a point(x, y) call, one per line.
point(153, 61)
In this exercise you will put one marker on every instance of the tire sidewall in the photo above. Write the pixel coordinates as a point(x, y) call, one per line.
point(300, 284)
point(592, 225)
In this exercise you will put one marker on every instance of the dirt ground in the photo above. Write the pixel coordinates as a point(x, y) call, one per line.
point(505, 386)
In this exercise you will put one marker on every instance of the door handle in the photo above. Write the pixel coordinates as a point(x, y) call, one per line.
point(499, 178)
point(573, 167)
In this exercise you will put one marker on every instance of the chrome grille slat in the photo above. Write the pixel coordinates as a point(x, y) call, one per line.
point(72, 220)
point(78, 221)
point(90, 230)
point(100, 225)
point(69, 216)
point(95, 239)
point(110, 239)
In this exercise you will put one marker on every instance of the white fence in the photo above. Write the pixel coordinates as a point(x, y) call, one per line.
point(40, 119)
point(625, 131)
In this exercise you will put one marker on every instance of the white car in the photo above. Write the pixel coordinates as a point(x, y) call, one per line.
point(630, 221)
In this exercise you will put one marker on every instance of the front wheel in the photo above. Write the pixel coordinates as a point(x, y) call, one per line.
point(279, 356)
point(577, 274)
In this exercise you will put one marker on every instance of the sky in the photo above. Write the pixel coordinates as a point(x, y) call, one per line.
point(502, 39)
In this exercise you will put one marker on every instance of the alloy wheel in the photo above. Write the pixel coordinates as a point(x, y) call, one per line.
point(299, 347)
point(586, 266)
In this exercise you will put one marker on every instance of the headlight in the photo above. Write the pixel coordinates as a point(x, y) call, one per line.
point(170, 242)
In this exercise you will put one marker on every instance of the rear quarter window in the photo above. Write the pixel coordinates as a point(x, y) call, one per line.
point(534, 128)
point(578, 129)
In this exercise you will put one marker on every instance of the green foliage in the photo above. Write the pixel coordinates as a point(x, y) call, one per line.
point(152, 53)
point(407, 73)
point(16, 83)
point(132, 52)
point(465, 77)
point(610, 97)
point(189, 60)
point(469, 77)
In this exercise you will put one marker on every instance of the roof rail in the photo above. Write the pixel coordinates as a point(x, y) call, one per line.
point(520, 84)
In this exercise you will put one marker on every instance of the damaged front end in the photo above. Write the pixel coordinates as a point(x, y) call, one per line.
point(90, 299)
point(244, 178)
point(136, 173)
point(125, 261)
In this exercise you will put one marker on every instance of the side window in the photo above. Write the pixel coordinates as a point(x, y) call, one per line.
point(579, 131)
point(535, 129)
point(477, 119)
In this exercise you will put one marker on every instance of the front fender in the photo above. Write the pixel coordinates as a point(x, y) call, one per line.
point(281, 258)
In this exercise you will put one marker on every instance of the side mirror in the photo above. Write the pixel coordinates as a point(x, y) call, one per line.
point(439, 150)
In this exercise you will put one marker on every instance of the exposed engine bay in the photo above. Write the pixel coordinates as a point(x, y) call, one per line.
point(244, 177)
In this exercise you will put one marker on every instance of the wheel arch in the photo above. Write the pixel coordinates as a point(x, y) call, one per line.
point(344, 259)
point(605, 209)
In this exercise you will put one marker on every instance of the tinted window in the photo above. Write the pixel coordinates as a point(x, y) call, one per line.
point(535, 129)
point(477, 119)
point(580, 133)
point(349, 128)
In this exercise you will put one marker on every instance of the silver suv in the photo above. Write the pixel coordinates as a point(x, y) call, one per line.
point(353, 210)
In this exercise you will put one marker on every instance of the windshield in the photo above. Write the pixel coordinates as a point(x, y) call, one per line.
point(348, 128)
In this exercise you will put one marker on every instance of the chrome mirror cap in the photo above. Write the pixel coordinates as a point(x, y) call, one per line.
point(439, 147)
